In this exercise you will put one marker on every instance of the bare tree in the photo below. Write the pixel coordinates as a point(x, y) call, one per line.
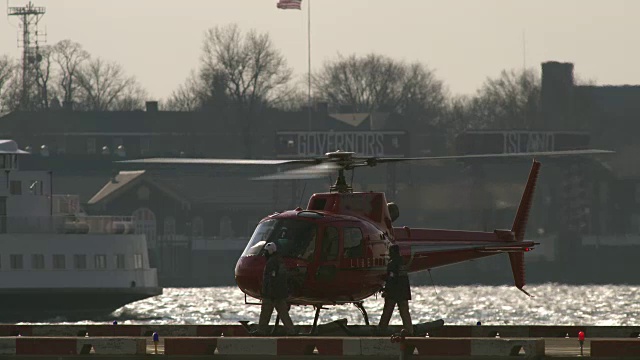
point(510, 101)
point(423, 97)
point(189, 95)
point(104, 86)
point(378, 83)
point(291, 98)
point(10, 85)
point(366, 84)
point(132, 98)
point(250, 69)
point(7, 71)
point(69, 56)
point(42, 75)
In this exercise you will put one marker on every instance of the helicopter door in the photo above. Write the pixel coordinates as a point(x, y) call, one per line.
point(328, 254)
point(354, 251)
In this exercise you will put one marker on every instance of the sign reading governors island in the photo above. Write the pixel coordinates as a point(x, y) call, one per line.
point(363, 143)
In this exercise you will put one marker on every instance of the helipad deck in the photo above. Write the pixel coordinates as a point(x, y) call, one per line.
point(233, 342)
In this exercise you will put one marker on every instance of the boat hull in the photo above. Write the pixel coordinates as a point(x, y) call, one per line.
point(55, 304)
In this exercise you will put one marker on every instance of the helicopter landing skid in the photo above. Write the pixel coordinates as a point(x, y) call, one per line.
point(360, 307)
point(314, 327)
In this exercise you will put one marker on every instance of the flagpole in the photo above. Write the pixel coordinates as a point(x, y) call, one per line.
point(309, 54)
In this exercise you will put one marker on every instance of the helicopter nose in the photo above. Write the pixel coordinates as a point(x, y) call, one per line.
point(248, 274)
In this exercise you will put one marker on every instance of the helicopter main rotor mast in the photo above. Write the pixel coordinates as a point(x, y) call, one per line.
point(345, 160)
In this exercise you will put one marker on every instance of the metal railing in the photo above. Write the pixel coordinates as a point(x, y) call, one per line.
point(66, 224)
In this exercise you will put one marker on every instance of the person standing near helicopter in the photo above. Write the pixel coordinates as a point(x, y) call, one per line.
point(396, 291)
point(275, 291)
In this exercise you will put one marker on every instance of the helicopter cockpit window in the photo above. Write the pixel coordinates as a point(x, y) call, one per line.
point(259, 238)
point(293, 238)
point(330, 244)
point(352, 242)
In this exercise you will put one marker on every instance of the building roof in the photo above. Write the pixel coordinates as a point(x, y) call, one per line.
point(120, 181)
point(201, 188)
point(353, 119)
point(10, 147)
point(83, 185)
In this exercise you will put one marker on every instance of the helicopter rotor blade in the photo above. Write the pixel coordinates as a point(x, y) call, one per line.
point(308, 172)
point(322, 166)
point(205, 161)
point(497, 156)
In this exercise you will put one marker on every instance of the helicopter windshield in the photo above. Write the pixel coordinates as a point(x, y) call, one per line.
point(293, 238)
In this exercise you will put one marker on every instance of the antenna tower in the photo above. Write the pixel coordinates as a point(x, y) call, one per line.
point(29, 17)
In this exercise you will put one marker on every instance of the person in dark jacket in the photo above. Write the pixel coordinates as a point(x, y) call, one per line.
point(396, 291)
point(274, 291)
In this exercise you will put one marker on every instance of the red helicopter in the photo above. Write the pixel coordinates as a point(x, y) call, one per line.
point(337, 247)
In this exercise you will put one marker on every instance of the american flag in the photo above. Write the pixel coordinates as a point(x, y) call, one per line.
point(289, 4)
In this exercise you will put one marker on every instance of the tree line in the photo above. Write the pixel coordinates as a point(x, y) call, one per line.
point(65, 74)
point(245, 73)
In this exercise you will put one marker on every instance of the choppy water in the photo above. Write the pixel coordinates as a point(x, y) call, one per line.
point(552, 304)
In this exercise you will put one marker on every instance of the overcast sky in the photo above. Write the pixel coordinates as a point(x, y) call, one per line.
point(465, 41)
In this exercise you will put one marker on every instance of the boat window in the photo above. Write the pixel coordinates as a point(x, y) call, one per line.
point(330, 244)
point(37, 261)
point(59, 262)
point(16, 187)
point(119, 261)
point(79, 261)
point(101, 261)
point(352, 242)
point(16, 261)
point(137, 261)
point(293, 238)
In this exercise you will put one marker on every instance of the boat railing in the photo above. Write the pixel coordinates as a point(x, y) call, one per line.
point(67, 224)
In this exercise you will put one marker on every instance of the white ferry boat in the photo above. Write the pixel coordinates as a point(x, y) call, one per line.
point(56, 262)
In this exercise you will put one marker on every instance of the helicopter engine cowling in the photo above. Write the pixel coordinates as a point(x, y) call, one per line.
point(394, 211)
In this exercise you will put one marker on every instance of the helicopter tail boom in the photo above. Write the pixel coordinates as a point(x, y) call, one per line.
point(453, 246)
